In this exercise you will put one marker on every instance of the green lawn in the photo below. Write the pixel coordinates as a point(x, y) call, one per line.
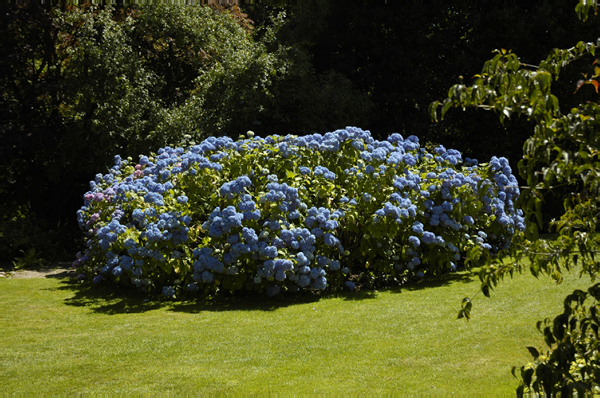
point(61, 338)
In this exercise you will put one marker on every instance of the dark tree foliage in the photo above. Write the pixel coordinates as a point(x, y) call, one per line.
point(81, 85)
point(30, 127)
point(402, 54)
point(305, 100)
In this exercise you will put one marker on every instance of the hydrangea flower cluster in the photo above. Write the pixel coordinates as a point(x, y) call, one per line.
point(290, 213)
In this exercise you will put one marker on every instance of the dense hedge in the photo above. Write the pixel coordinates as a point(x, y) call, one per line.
point(290, 213)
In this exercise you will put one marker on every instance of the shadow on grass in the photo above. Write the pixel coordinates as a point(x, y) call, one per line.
point(62, 275)
point(467, 276)
point(243, 302)
point(112, 300)
point(443, 280)
point(105, 299)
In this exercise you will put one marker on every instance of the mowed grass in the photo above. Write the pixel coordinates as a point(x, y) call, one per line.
point(62, 338)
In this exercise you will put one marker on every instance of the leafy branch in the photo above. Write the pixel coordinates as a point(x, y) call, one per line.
point(563, 151)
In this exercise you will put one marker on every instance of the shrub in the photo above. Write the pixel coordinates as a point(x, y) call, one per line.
point(290, 213)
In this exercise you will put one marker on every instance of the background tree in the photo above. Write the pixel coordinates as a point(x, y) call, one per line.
point(30, 127)
point(80, 85)
point(563, 151)
point(305, 99)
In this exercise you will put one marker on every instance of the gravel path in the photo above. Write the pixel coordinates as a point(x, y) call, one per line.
point(60, 270)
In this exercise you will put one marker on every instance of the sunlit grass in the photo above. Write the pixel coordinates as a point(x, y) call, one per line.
point(59, 337)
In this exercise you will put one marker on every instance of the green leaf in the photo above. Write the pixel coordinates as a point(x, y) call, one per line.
point(290, 174)
point(447, 105)
point(463, 314)
point(513, 370)
point(559, 326)
point(548, 337)
point(527, 374)
point(513, 62)
point(552, 104)
point(538, 210)
point(532, 232)
point(485, 289)
point(545, 81)
point(535, 269)
point(433, 110)
point(534, 353)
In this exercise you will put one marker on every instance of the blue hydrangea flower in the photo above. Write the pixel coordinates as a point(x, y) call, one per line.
point(330, 239)
point(207, 277)
point(414, 241)
point(273, 290)
point(428, 237)
point(168, 291)
point(319, 284)
point(417, 227)
point(334, 265)
point(249, 235)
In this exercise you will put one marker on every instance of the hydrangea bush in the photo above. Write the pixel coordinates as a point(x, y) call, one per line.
point(290, 213)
